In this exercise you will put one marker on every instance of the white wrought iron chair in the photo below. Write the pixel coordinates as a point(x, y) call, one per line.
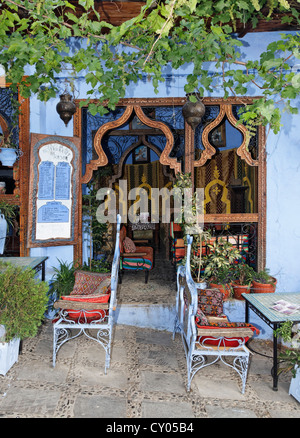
point(205, 344)
point(83, 317)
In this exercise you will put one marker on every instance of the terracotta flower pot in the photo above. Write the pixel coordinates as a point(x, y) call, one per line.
point(239, 289)
point(224, 288)
point(263, 288)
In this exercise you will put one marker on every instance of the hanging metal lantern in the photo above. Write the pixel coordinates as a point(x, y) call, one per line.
point(193, 112)
point(66, 107)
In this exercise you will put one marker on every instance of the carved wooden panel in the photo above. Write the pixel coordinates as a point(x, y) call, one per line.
point(54, 191)
point(209, 149)
point(102, 159)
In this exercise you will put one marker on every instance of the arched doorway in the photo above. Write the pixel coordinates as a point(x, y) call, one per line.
point(143, 144)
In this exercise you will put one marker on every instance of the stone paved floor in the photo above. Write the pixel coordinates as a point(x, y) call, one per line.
point(146, 379)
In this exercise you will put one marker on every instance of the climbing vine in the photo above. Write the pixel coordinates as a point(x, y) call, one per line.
point(40, 39)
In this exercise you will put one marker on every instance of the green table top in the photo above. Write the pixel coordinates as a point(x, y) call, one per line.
point(24, 262)
point(264, 302)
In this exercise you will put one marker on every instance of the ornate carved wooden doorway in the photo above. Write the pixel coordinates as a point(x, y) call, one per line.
point(239, 198)
point(155, 125)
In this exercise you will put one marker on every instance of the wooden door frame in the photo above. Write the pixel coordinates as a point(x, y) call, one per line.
point(189, 165)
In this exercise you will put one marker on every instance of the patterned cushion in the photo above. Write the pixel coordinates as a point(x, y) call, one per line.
point(231, 341)
point(201, 318)
point(87, 282)
point(129, 245)
point(210, 301)
point(104, 286)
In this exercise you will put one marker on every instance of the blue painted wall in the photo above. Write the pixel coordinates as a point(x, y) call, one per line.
point(283, 171)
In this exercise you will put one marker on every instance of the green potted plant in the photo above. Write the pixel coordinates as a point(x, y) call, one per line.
point(62, 281)
point(219, 263)
point(23, 302)
point(290, 357)
point(263, 282)
point(190, 226)
point(242, 276)
point(96, 231)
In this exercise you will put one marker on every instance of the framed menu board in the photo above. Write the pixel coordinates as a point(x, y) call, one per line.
point(54, 189)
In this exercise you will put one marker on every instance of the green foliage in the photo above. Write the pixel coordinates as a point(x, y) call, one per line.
point(263, 277)
point(219, 261)
point(97, 266)
point(63, 279)
point(189, 224)
point(9, 211)
point(97, 231)
point(289, 357)
point(242, 274)
point(23, 301)
point(171, 33)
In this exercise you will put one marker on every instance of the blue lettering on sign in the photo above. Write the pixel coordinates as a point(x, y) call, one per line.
point(62, 182)
point(53, 212)
point(46, 180)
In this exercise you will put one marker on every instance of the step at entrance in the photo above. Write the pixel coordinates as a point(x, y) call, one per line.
point(150, 305)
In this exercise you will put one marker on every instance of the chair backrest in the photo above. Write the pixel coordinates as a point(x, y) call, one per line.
point(186, 297)
point(115, 266)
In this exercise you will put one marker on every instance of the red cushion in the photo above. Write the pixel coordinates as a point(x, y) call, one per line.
point(90, 315)
point(228, 342)
point(87, 316)
point(88, 299)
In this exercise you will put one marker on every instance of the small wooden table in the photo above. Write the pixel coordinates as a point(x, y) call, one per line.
point(261, 305)
point(36, 263)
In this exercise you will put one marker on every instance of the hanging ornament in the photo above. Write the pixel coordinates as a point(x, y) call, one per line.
point(193, 112)
point(66, 107)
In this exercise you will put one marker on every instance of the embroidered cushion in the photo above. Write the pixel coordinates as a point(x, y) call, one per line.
point(104, 286)
point(129, 245)
point(87, 282)
point(210, 301)
point(201, 318)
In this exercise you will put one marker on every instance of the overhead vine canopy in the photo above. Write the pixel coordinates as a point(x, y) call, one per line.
point(45, 35)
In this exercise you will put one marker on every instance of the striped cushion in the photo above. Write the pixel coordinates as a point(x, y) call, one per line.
point(136, 263)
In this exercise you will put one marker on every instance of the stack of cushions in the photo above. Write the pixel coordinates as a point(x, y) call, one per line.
point(89, 287)
point(210, 303)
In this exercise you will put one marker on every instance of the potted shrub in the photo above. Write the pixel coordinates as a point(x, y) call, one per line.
point(290, 358)
point(263, 282)
point(96, 232)
point(219, 263)
point(23, 301)
point(242, 276)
